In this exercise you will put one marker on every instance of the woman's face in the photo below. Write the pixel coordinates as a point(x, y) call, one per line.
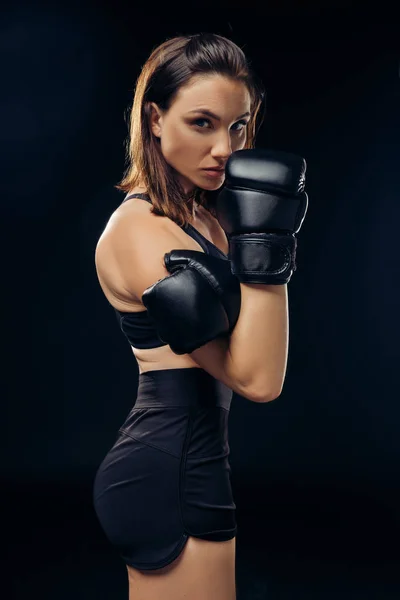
point(192, 140)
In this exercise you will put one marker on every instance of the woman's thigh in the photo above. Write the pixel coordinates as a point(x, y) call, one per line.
point(204, 570)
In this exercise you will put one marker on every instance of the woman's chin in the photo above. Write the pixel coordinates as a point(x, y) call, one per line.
point(212, 185)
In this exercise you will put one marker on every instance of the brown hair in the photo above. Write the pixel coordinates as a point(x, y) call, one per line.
point(169, 67)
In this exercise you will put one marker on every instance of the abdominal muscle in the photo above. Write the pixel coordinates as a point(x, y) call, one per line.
point(149, 359)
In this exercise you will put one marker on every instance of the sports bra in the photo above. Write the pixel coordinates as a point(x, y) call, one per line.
point(138, 327)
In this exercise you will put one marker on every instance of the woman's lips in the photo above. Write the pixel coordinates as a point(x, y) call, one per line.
point(214, 172)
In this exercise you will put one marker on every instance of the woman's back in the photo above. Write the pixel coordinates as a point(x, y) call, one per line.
point(111, 273)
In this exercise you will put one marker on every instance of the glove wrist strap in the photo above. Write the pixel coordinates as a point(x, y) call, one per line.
point(268, 258)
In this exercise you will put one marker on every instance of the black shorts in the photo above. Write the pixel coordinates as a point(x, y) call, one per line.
point(167, 476)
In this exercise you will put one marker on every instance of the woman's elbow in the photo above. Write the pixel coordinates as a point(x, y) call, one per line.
point(262, 395)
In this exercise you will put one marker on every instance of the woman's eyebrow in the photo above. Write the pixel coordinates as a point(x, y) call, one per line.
point(208, 113)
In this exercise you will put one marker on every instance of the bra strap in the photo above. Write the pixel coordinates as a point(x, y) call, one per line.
point(142, 196)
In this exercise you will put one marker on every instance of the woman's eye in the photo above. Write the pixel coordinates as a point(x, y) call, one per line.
point(197, 121)
point(244, 123)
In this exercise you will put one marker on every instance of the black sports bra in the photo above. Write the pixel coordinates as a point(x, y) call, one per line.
point(138, 327)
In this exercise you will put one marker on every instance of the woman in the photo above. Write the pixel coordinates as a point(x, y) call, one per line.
point(162, 493)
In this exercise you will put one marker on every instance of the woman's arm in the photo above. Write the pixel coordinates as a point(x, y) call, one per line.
point(259, 342)
point(255, 354)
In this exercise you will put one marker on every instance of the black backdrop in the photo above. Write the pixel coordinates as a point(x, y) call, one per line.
point(316, 472)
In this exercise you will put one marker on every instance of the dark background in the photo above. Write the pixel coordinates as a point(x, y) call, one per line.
point(316, 472)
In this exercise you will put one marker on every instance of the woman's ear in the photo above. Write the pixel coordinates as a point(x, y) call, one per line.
point(155, 119)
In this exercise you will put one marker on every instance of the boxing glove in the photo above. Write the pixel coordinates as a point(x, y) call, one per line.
point(261, 209)
point(198, 302)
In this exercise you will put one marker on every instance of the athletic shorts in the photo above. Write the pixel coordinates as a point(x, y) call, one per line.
point(167, 476)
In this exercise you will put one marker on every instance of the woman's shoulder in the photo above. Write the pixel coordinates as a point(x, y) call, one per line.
point(130, 209)
point(136, 202)
point(135, 213)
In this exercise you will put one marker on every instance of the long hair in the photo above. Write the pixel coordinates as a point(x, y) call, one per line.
point(169, 67)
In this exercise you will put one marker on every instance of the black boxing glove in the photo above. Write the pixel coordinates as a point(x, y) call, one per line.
point(198, 302)
point(261, 208)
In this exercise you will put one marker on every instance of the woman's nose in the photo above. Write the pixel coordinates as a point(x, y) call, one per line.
point(222, 149)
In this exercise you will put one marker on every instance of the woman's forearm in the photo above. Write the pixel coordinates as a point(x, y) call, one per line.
point(258, 345)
